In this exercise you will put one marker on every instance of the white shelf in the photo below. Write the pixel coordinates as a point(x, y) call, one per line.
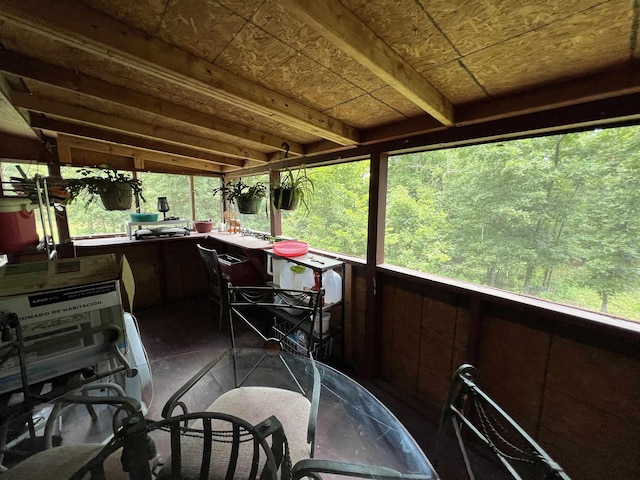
point(311, 260)
point(179, 221)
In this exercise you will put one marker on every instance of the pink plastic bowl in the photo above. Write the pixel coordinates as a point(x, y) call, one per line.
point(203, 226)
point(290, 248)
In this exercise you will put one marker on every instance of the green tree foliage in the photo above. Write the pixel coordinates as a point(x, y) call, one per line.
point(337, 219)
point(555, 217)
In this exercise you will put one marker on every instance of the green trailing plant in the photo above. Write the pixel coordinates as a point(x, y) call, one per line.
point(295, 188)
point(247, 197)
point(115, 189)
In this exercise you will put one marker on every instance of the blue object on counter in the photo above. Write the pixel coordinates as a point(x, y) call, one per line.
point(143, 217)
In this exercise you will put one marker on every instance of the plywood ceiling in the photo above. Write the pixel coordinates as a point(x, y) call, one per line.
point(222, 86)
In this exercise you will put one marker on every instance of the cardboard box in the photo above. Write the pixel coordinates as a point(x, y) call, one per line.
point(70, 312)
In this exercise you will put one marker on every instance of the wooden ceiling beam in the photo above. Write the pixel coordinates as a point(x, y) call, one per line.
point(348, 33)
point(137, 154)
point(84, 29)
point(74, 81)
point(119, 123)
point(12, 122)
point(61, 126)
point(20, 148)
point(599, 86)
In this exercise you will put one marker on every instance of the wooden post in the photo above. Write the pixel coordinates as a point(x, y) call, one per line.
point(53, 164)
point(276, 217)
point(375, 255)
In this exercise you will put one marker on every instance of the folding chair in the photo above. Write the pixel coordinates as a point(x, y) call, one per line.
point(481, 426)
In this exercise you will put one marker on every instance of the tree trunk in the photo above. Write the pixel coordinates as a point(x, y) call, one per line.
point(605, 301)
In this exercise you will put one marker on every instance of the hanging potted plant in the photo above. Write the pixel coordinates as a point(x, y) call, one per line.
point(115, 189)
point(295, 188)
point(248, 198)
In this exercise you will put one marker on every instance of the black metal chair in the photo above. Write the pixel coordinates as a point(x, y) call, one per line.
point(294, 315)
point(261, 382)
point(217, 281)
point(215, 442)
point(481, 426)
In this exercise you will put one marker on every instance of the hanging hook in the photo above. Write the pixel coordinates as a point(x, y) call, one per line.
point(286, 146)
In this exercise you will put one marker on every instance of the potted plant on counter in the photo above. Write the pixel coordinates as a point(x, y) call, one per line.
point(295, 188)
point(115, 189)
point(247, 197)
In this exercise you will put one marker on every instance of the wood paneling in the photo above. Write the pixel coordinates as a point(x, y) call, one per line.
point(163, 270)
point(576, 396)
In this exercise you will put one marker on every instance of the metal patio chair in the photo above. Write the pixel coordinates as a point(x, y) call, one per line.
point(217, 283)
point(481, 426)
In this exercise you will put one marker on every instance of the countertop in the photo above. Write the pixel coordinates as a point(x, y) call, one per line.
point(237, 239)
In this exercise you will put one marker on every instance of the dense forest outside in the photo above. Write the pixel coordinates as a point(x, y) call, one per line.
point(337, 216)
point(258, 222)
point(555, 217)
point(207, 207)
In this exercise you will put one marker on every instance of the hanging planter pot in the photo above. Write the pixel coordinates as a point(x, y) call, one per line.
point(249, 205)
point(117, 196)
point(114, 189)
point(284, 199)
point(248, 198)
point(295, 188)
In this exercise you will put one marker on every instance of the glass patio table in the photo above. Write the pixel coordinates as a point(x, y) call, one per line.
point(353, 426)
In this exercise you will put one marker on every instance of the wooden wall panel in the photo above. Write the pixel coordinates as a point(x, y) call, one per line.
point(163, 270)
point(386, 335)
point(437, 340)
point(574, 387)
point(461, 336)
point(602, 379)
point(354, 323)
point(589, 441)
point(405, 360)
point(512, 364)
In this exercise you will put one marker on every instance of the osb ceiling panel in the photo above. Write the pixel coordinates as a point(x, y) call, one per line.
point(419, 41)
point(274, 67)
point(200, 28)
point(340, 63)
point(254, 53)
point(144, 15)
point(308, 82)
point(473, 26)
point(359, 111)
point(547, 54)
point(274, 19)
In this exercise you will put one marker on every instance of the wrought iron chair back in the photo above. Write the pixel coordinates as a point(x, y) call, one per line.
point(217, 283)
point(300, 306)
point(227, 445)
point(478, 420)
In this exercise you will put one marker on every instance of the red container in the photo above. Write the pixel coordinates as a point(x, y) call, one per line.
point(17, 225)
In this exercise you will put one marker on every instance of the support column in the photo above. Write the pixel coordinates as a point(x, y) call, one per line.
point(375, 255)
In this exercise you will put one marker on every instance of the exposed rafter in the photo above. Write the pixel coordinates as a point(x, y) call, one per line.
point(70, 143)
point(12, 122)
point(74, 81)
point(122, 124)
point(342, 28)
point(85, 131)
point(84, 29)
